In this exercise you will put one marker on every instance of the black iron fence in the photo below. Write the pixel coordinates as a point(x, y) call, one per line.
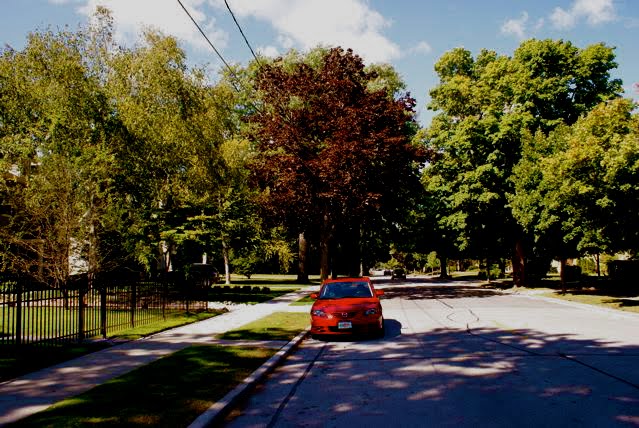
point(37, 314)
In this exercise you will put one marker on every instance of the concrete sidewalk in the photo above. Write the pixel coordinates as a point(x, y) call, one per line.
point(36, 391)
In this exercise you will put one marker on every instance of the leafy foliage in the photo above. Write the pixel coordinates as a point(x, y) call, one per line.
point(331, 152)
point(488, 106)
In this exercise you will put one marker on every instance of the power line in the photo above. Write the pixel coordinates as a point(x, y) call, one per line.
point(210, 43)
point(242, 32)
point(282, 116)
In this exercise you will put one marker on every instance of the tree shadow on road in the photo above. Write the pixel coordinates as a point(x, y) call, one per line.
point(438, 292)
point(469, 376)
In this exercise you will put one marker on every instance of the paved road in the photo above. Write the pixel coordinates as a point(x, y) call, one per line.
point(460, 355)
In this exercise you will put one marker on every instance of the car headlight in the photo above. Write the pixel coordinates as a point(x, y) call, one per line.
point(318, 313)
point(371, 311)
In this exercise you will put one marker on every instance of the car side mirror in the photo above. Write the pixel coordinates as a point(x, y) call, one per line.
point(314, 296)
point(379, 292)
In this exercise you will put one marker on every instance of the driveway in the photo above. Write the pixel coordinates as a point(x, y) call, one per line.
point(458, 355)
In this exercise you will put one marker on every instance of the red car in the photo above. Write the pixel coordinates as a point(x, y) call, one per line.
point(347, 306)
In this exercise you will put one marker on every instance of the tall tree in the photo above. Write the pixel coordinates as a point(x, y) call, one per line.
point(579, 194)
point(485, 105)
point(56, 128)
point(332, 152)
point(162, 105)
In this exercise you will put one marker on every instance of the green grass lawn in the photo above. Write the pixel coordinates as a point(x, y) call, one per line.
point(304, 301)
point(272, 280)
point(624, 303)
point(277, 326)
point(32, 358)
point(238, 294)
point(173, 321)
point(170, 392)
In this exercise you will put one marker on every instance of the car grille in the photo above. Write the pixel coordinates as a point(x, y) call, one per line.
point(344, 314)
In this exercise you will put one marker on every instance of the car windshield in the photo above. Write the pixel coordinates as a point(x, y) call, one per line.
point(342, 290)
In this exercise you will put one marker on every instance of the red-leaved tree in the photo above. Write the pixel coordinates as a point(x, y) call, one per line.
point(333, 156)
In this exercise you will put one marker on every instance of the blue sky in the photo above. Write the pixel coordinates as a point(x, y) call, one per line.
point(410, 34)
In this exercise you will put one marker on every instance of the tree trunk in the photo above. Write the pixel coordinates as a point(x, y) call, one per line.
point(563, 275)
point(227, 266)
point(519, 265)
point(443, 267)
point(355, 256)
point(488, 270)
point(302, 273)
point(598, 265)
point(325, 241)
point(502, 267)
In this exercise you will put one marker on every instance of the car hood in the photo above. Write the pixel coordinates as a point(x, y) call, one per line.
point(346, 304)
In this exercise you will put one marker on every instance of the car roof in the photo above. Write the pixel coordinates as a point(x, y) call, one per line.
point(349, 279)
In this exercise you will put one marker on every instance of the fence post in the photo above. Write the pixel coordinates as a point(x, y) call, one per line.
point(187, 286)
point(103, 310)
point(18, 320)
point(165, 297)
point(133, 302)
point(82, 290)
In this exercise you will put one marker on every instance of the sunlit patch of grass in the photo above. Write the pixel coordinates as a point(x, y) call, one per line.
point(611, 302)
point(237, 294)
point(173, 321)
point(306, 300)
point(277, 326)
point(272, 280)
point(170, 392)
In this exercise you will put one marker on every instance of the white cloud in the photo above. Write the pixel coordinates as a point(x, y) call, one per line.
point(593, 11)
point(131, 16)
point(562, 19)
point(309, 23)
point(269, 51)
point(421, 48)
point(285, 41)
point(516, 27)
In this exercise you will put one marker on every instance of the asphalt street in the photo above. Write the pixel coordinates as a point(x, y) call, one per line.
point(459, 355)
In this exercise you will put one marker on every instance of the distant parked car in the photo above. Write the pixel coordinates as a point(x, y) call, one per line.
point(398, 274)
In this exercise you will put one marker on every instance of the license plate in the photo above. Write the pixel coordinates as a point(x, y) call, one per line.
point(344, 324)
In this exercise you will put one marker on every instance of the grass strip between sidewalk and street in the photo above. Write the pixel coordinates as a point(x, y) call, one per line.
point(276, 326)
point(304, 301)
point(611, 302)
point(172, 391)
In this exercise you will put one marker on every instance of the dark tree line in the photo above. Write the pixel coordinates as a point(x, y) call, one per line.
point(119, 157)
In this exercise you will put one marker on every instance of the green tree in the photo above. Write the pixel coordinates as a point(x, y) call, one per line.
point(485, 106)
point(577, 189)
point(163, 106)
point(56, 128)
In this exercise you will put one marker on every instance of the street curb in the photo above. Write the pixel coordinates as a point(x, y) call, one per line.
point(220, 409)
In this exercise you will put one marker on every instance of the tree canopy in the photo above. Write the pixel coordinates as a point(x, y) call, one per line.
point(118, 157)
point(485, 107)
point(333, 155)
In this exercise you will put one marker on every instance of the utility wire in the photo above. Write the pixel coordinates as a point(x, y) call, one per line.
point(281, 115)
point(210, 44)
point(242, 32)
